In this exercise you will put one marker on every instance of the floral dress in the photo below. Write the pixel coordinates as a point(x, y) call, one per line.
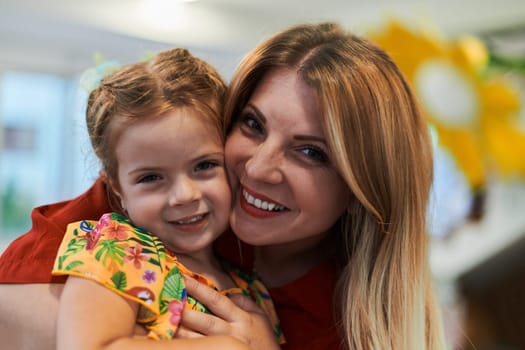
point(137, 266)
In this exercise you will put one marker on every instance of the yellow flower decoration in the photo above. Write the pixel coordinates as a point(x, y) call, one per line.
point(476, 116)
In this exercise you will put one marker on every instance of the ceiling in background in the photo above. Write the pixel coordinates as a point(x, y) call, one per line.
point(62, 35)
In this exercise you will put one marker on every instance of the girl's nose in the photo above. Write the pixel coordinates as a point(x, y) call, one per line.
point(265, 164)
point(184, 191)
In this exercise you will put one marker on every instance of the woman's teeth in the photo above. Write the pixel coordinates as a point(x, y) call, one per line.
point(264, 205)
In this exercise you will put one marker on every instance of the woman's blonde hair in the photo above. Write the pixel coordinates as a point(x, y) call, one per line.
point(380, 145)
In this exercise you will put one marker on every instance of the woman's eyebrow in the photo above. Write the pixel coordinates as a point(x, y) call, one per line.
point(256, 110)
point(310, 138)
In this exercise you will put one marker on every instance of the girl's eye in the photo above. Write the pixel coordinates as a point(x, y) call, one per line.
point(149, 178)
point(205, 165)
point(315, 154)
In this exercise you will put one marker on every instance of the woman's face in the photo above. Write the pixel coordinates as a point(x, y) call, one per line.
point(285, 187)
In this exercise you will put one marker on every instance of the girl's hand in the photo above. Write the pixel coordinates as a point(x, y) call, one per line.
point(237, 316)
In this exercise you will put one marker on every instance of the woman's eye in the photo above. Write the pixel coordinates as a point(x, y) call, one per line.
point(205, 165)
point(149, 178)
point(249, 121)
point(315, 154)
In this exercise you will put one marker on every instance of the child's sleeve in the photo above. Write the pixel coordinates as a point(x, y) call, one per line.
point(128, 261)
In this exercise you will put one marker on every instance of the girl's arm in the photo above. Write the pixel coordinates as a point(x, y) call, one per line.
point(93, 317)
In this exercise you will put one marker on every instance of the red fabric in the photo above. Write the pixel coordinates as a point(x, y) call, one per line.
point(305, 309)
point(30, 258)
point(304, 306)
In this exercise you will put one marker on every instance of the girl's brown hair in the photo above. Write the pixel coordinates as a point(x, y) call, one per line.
point(171, 79)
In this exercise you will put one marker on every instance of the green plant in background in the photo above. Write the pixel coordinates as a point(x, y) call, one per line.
point(16, 209)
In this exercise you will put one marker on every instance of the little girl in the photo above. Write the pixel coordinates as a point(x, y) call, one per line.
point(157, 129)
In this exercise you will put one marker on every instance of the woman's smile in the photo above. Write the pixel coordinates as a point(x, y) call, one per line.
point(259, 206)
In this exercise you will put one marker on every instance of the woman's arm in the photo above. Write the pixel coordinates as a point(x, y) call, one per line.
point(28, 315)
point(239, 317)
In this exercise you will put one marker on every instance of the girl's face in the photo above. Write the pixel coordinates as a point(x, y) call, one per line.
point(172, 179)
point(286, 189)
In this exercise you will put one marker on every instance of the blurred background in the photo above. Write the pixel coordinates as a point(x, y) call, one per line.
point(465, 60)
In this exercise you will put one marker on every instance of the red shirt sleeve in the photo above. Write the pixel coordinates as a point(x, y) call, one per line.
point(30, 258)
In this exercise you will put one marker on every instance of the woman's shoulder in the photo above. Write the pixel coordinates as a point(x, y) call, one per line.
point(30, 258)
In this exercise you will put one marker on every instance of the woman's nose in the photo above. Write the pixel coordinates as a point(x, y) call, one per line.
point(265, 164)
point(184, 191)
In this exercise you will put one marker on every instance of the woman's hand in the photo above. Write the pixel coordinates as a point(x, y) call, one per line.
point(237, 316)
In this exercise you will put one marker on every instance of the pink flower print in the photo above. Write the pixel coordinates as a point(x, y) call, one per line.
point(115, 230)
point(104, 220)
point(175, 307)
point(149, 276)
point(134, 254)
point(92, 238)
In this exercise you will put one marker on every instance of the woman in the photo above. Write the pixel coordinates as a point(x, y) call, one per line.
point(331, 165)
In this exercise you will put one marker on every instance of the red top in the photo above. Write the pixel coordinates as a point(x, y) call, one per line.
point(304, 306)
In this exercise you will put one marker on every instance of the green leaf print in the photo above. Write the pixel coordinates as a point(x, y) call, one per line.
point(144, 239)
point(173, 285)
point(154, 262)
point(196, 305)
point(110, 249)
point(73, 265)
point(163, 306)
point(120, 280)
point(73, 246)
point(173, 289)
point(152, 246)
point(120, 218)
point(61, 261)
